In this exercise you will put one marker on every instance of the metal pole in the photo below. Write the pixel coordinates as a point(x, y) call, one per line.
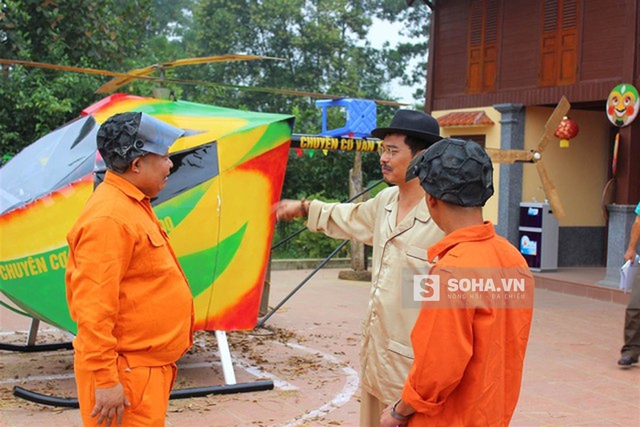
point(322, 264)
point(306, 279)
point(225, 357)
point(72, 402)
point(33, 332)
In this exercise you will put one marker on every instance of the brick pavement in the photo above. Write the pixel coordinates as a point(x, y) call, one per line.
point(571, 377)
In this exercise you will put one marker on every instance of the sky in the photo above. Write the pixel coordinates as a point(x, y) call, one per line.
point(380, 32)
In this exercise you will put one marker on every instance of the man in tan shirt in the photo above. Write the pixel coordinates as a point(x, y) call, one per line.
point(396, 223)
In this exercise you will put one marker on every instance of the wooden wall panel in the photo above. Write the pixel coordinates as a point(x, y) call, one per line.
point(601, 55)
point(635, 56)
point(602, 47)
point(451, 52)
point(519, 60)
point(583, 92)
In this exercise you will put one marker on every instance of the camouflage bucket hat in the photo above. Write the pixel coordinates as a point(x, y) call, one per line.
point(455, 171)
point(125, 136)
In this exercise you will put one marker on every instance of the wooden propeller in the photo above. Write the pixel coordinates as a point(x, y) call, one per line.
point(114, 84)
point(121, 79)
point(535, 156)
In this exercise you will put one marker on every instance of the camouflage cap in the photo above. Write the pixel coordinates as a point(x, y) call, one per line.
point(455, 171)
point(125, 136)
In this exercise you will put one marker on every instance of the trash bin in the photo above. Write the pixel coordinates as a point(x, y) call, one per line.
point(538, 236)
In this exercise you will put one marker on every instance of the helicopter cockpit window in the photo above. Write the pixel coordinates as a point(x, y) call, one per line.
point(53, 161)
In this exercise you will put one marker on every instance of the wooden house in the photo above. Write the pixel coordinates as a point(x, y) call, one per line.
point(496, 70)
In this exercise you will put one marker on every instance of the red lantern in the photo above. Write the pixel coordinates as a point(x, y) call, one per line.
point(566, 130)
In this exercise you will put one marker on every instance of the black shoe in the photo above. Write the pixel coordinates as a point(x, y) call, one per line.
point(627, 360)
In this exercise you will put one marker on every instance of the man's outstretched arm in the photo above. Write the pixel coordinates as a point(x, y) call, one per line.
point(633, 240)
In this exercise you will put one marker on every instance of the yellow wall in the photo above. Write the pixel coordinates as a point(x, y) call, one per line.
point(578, 172)
point(492, 133)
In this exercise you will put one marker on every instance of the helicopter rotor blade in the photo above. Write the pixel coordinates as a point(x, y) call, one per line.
point(550, 192)
point(65, 68)
point(116, 83)
point(183, 81)
point(276, 91)
point(217, 58)
point(559, 112)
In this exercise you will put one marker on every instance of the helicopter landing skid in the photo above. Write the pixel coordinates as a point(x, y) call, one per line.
point(230, 386)
point(31, 346)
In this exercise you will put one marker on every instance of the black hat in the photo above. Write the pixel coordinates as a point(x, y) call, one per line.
point(413, 123)
point(455, 171)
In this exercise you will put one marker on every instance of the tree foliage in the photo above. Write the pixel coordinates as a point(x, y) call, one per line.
point(408, 60)
point(317, 46)
point(320, 44)
point(81, 33)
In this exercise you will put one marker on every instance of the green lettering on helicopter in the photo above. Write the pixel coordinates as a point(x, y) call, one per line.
point(25, 267)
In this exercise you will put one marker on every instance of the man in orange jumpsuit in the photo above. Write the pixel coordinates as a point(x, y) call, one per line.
point(469, 341)
point(125, 288)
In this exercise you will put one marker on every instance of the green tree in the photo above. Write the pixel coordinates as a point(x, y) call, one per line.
point(408, 60)
point(324, 49)
point(80, 33)
point(171, 17)
point(321, 44)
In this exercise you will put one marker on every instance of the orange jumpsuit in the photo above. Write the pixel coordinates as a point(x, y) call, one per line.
point(130, 300)
point(468, 361)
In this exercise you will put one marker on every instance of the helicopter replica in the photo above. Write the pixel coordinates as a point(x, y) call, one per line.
point(228, 172)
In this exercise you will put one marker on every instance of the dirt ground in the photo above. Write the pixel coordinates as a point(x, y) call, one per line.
point(310, 351)
point(312, 360)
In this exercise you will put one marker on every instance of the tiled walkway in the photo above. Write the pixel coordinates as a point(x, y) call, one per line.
point(571, 377)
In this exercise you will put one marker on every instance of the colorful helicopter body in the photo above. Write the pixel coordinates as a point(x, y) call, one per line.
point(228, 171)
